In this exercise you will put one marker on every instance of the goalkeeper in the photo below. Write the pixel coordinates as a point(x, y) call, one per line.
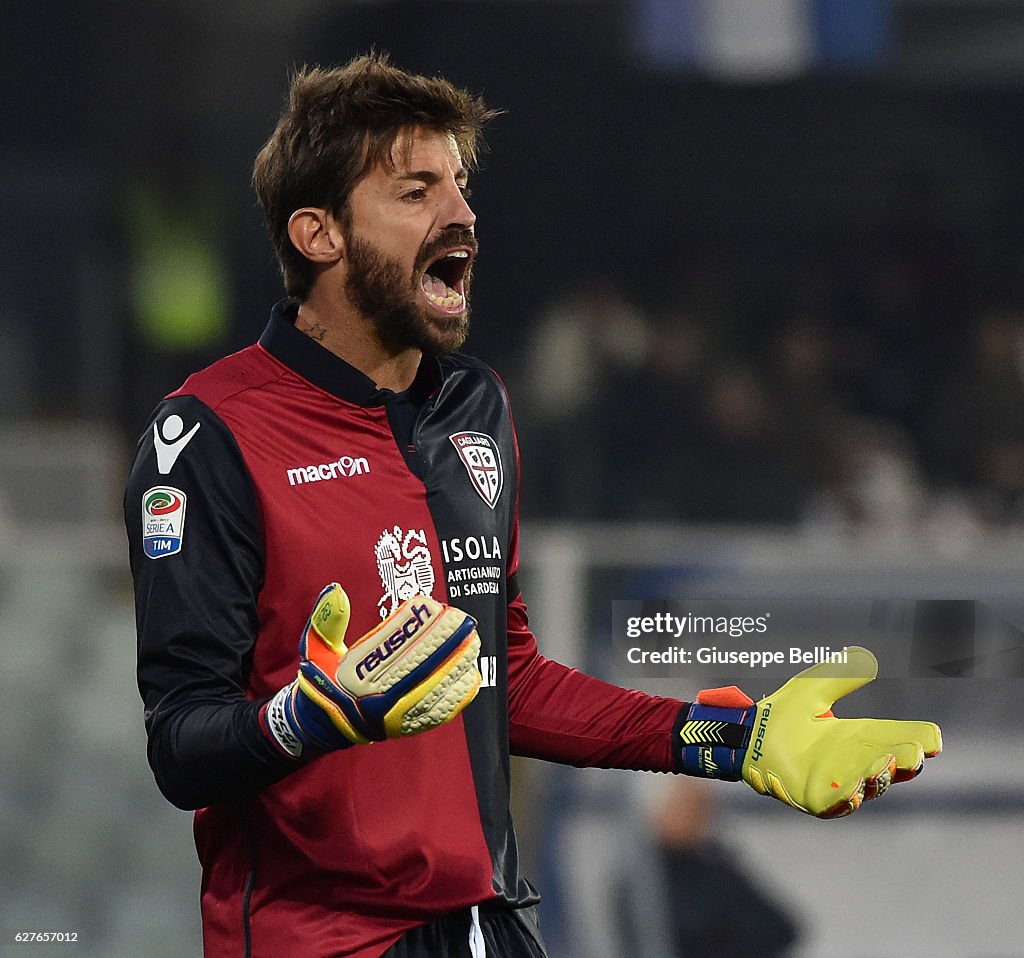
point(334, 654)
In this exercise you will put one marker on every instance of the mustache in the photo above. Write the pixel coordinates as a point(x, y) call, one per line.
point(448, 239)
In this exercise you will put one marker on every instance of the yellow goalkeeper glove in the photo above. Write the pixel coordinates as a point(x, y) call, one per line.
point(413, 672)
point(790, 746)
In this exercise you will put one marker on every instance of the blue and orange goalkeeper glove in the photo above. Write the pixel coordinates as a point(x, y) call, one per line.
point(413, 672)
point(791, 747)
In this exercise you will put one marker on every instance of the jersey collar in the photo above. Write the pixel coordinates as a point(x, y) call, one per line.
point(323, 369)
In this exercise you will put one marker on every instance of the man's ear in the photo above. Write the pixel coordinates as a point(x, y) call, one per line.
point(317, 235)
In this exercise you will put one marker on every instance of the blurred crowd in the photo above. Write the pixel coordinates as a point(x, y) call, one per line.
point(645, 867)
point(835, 422)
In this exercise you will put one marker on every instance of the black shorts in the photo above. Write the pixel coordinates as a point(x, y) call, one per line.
point(474, 933)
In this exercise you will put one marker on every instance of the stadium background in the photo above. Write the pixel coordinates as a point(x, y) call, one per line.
point(754, 271)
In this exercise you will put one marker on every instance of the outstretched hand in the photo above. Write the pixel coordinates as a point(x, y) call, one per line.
point(791, 747)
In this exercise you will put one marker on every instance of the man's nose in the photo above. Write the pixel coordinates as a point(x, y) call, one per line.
point(459, 214)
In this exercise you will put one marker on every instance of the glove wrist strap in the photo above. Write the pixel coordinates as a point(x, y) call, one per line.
point(278, 724)
point(710, 741)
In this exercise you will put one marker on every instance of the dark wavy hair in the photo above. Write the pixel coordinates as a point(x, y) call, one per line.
point(339, 124)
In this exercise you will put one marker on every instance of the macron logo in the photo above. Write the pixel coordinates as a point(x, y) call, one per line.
point(341, 468)
point(169, 442)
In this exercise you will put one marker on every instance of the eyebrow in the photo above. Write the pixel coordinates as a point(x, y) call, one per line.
point(430, 177)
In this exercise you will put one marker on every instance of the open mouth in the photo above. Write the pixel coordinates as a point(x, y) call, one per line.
point(443, 281)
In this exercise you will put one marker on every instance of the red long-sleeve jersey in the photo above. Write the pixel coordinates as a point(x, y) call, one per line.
point(269, 474)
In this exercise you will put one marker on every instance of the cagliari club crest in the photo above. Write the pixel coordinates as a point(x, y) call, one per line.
point(405, 567)
point(479, 454)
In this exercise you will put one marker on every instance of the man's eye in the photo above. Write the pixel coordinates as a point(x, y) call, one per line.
point(466, 192)
point(417, 194)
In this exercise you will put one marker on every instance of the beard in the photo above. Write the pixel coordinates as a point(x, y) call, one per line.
point(381, 291)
